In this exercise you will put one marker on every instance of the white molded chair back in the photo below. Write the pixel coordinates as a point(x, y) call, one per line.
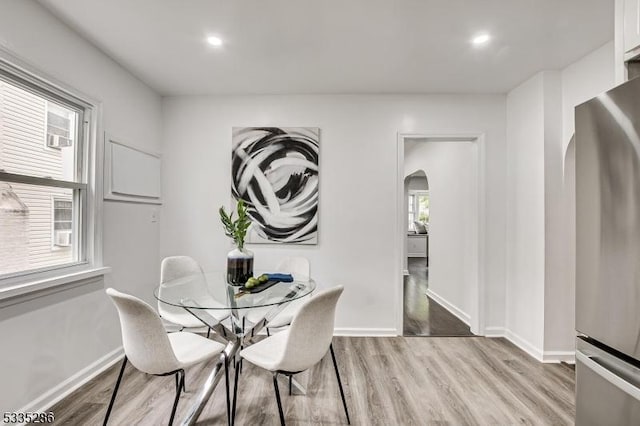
point(300, 347)
point(311, 331)
point(144, 338)
point(175, 267)
point(297, 266)
point(184, 275)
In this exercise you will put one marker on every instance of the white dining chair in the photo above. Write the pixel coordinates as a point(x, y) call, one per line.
point(153, 351)
point(184, 274)
point(299, 268)
point(299, 347)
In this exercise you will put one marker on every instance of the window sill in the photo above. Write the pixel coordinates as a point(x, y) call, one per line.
point(22, 292)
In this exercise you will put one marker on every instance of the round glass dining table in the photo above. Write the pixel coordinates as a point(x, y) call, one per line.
point(205, 294)
point(211, 291)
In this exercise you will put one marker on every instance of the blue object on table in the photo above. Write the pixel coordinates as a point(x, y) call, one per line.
point(286, 278)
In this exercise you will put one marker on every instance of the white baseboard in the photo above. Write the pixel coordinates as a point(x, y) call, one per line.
point(54, 395)
point(494, 332)
point(524, 344)
point(559, 356)
point(462, 316)
point(542, 356)
point(366, 332)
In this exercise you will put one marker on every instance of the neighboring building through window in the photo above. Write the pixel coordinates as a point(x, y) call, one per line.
point(60, 126)
point(42, 168)
point(62, 222)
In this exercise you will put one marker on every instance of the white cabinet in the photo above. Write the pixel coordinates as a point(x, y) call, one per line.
point(417, 245)
point(631, 28)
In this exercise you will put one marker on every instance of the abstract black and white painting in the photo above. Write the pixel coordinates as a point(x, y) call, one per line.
point(275, 171)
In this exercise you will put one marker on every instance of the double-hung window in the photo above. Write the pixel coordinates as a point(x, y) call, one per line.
point(411, 210)
point(44, 162)
point(418, 208)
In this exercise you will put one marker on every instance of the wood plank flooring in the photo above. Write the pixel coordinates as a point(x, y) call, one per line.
point(388, 381)
point(422, 315)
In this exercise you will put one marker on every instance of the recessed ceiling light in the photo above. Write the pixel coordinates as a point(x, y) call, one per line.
point(214, 41)
point(480, 39)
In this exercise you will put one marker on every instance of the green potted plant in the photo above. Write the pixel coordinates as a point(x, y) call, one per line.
point(240, 259)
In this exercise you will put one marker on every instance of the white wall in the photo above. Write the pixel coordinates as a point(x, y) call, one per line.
point(358, 188)
point(451, 169)
point(541, 203)
point(558, 322)
point(48, 340)
point(620, 71)
point(417, 183)
point(583, 80)
point(525, 212)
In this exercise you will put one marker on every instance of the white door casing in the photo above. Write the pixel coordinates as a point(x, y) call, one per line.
point(476, 264)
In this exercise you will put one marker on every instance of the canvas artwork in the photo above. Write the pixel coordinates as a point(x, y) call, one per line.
point(275, 171)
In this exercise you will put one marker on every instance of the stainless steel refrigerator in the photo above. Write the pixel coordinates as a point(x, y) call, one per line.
point(608, 258)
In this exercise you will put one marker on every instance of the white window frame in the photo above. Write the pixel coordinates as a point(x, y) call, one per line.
point(24, 285)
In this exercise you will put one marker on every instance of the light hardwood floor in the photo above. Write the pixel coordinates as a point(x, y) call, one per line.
point(388, 381)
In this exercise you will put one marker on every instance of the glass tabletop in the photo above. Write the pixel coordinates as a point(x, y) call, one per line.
point(211, 291)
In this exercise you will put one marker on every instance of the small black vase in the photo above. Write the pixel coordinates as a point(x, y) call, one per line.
point(239, 266)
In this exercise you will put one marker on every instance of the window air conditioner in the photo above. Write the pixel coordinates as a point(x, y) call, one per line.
point(57, 141)
point(63, 239)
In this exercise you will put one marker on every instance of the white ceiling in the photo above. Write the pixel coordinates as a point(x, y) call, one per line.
point(339, 46)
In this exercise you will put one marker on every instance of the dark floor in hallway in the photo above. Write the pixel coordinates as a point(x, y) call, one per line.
point(422, 315)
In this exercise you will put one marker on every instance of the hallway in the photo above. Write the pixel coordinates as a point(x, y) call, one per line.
point(422, 315)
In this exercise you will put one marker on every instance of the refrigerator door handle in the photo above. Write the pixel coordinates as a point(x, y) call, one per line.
point(608, 375)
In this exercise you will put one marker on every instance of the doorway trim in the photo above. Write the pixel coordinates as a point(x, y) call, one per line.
point(477, 314)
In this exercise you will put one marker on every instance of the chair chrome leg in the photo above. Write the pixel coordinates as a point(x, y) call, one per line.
point(178, 386)
point(235, 393)
point(115, 391)
point(335, 365)
point(226, 379)
point(175, 401)
point(275, 385)
point(241, 345)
